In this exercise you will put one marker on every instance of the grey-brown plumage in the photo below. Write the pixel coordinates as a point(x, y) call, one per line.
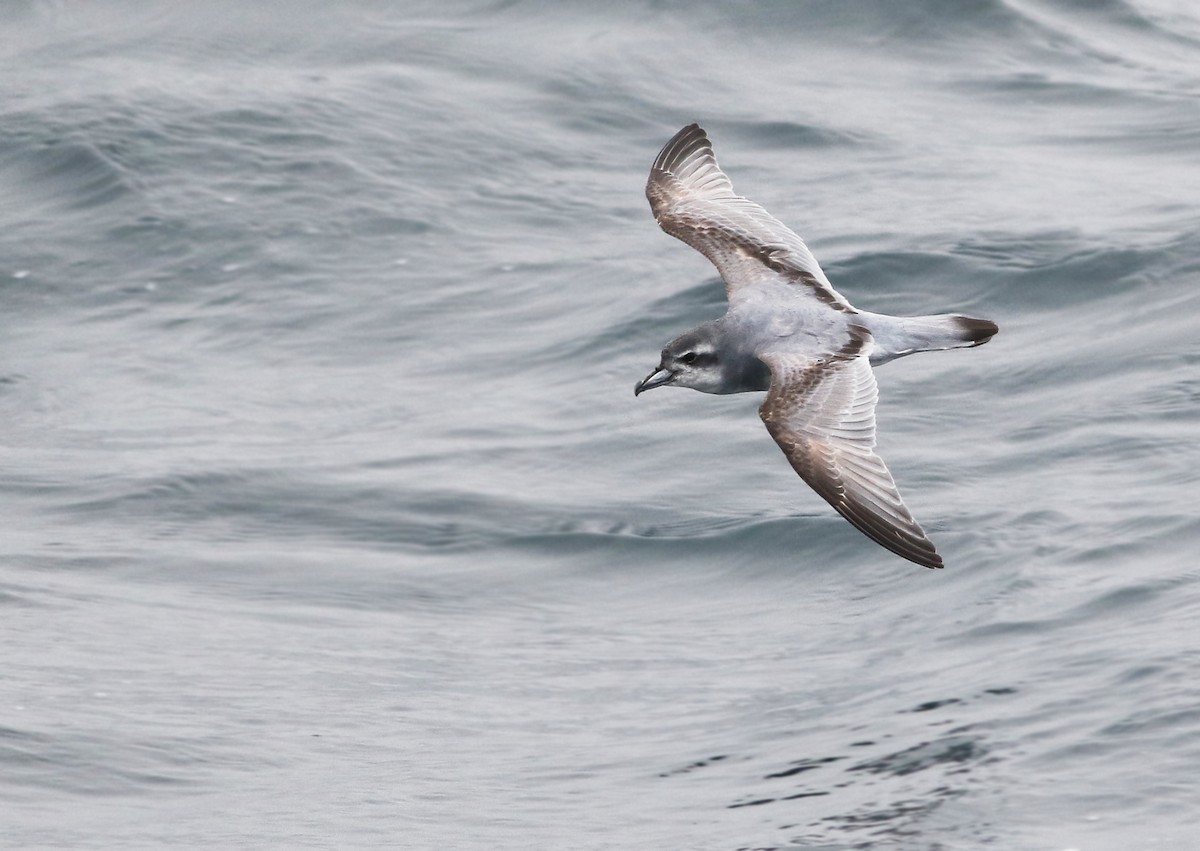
point(789, 332)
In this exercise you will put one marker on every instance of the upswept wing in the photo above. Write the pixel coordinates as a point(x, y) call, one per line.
point(821, 412)
point(694, 201)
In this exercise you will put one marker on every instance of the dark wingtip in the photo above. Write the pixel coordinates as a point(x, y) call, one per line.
point(680, 147)
point(926, 558)
point(977, 331)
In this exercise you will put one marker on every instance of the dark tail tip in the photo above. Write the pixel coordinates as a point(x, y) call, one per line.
point(976, 331)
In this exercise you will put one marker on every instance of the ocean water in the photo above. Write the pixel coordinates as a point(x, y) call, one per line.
point(330, 518)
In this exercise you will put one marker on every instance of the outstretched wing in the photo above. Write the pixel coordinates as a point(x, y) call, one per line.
point(693, 200)
point(821, 412)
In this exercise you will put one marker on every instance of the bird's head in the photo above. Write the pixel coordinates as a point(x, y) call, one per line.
point(690, 360)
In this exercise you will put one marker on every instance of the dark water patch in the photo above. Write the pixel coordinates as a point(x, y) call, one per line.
point(1046, 88)
point(907, 283)
point(757, 802)
point(1140, 536)
point(1158, 135)
point(883, 26)
point(1021, 251)
point(899, 820)
point(788, 135)
point(245, 505)
point(802, 766)
point(695, 766)
point(686, 303)
point(66, 175)
point(1156, 722)
point(1141, 672)
point(1126, 605)
point(1149, 23)
point(1004, 276)
point(1128, 600)
point(247, 122)
point(894, 794)
point(20, 597)
point(249, 505)
point(930, 705)
point(375, 223)
point(952, 749)
point(1180, 398)
point(900, 810)
point(1000, 630)
point(59, 555)
point(775, 545)
point(95, 765)
point(647, 329)
point(7, 598)
point(614, 103)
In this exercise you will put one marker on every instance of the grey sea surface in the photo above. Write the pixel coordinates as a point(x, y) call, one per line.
point(330, 518)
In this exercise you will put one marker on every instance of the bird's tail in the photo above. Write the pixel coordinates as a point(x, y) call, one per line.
point(947, 331)
point(905, 335)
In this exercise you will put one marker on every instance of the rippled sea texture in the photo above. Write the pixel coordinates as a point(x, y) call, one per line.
point(331, 519)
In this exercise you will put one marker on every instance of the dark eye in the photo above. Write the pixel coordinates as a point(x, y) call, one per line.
point(688, 357)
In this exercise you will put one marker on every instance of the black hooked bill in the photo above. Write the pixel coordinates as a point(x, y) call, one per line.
point(657, 378)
